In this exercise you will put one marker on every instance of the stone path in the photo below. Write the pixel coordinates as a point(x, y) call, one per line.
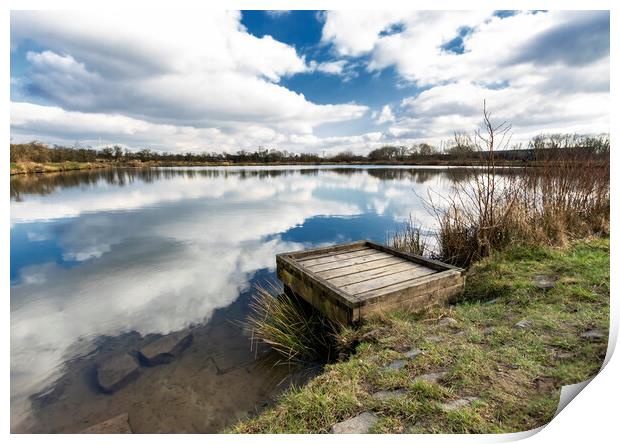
point(361, 423)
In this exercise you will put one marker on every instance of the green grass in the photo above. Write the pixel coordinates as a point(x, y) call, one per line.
point(516, 374)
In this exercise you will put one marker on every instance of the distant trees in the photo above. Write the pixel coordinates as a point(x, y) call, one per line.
point(461, 148)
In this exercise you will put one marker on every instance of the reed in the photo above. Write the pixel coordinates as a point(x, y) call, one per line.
point(291, 327)
point(566, 196)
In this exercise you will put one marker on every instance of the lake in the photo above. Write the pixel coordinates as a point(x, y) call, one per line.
point(103, 261)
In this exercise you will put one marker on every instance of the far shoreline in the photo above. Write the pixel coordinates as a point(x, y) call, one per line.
point(21, 168)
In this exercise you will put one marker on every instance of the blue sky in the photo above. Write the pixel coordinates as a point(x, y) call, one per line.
point(318, 81)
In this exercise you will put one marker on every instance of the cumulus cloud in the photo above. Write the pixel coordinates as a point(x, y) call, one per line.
point(198, 71)
point(386, 115)
point(202, 82)
point(544, 72)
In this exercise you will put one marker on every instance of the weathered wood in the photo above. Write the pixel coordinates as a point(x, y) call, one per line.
point(344, 271)
point(325, 259)
point(348, 262)
point(360, 276)
point(351, 281)
point(386, 281)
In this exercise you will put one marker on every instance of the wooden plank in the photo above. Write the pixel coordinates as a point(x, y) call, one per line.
point(430, 263)
point(314, 283)
point(386, 281)
point(386, 270)
point(348, 262)
point(417, 302)
point(336, 257)
point(337, 272)
point(417, 285)
point(329, 252)
point(299, 255)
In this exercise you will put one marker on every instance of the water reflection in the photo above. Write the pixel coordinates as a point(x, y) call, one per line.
point(102, 259)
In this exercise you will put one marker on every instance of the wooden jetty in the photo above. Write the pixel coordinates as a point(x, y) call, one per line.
point(347, 282)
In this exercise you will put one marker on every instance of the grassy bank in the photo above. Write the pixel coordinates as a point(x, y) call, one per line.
point(497, 358)
point(53, 167)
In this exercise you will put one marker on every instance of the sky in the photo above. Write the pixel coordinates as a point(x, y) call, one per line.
point(303, 81)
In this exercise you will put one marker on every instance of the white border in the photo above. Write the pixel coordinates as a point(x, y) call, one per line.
point(591, 417)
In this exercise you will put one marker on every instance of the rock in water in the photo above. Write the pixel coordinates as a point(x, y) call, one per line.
point(114, 373)
point(358, 424)
point(118, 424)
point(166, 348)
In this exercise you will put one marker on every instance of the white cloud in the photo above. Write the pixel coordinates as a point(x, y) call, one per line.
point(191, 73)
point(544, 72)
point(110, 77)
point(386, 115)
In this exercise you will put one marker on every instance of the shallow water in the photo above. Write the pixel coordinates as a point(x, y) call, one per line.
point(103, 261)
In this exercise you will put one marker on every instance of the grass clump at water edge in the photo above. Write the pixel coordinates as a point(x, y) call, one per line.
point(292, 328)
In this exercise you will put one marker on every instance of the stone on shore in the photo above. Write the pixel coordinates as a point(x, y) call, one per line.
point(431, 377)
point(448, 322)
point(414, 352)
point(114, 373)
point(524, 324)
point(396, 365)
point(388, 395)
point(543, 282)
point(458, 403)
point(166, 348)
point(594, 334)
point(361, 423)
point(116, 425)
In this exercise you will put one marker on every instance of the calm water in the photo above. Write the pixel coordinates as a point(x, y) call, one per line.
point(102, 261)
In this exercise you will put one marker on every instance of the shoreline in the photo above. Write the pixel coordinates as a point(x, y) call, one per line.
point(22, 168)
point(492, 363)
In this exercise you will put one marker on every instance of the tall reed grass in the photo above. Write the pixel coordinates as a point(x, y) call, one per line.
point(291, 327)
point(565, 196)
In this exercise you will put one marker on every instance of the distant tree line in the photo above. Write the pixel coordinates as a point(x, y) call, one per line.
point(461, 148)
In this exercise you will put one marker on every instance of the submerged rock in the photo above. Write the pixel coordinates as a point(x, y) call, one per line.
point(116, 425)
point(361, 423)
point(114, 373)
point(166, 348)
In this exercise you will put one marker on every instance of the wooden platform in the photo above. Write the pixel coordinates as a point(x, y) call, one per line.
point(347, 282)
